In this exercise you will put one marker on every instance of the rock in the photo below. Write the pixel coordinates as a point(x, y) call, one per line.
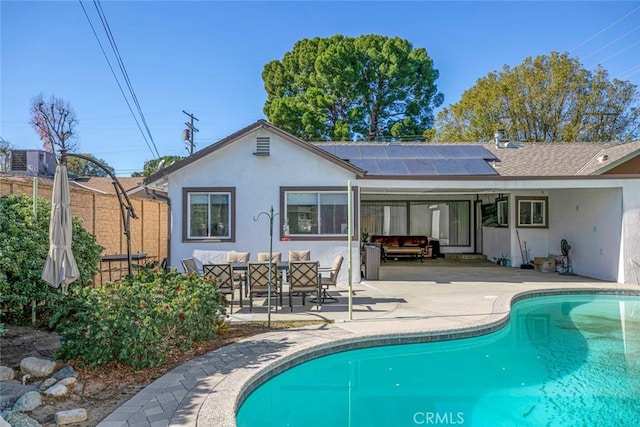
point(10, 391)
point(47, 383)
point(68, 381)
point(57, 390)
point(71, 416)
point(3, 423)
point(37, 367)
point(28, 402)
point(20, 419)
point(6, 373)
point(66, 372)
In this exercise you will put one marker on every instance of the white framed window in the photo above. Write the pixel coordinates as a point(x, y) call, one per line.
point(502, 212)
point(315, 213)
point(533, 212)
point(209, 214)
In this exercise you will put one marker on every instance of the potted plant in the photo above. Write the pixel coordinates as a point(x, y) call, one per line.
point(504, 260)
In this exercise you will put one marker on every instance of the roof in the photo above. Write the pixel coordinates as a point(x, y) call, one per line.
point(260, 124)
point(414, 159)
point(561, 159)
point(105, 184)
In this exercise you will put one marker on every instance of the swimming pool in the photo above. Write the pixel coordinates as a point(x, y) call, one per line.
point(560, 361)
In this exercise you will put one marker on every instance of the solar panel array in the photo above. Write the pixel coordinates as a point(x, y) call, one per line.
point(415, 160)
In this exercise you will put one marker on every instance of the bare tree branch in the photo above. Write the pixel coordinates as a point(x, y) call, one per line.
point(55, 122)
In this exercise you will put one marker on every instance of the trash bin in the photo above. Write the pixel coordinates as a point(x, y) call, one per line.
point(372, 262)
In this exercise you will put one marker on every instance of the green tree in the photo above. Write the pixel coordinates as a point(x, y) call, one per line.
point(342, 88)
point(152, 166)
point(83, 167)
point(550, 98)
point(24, 243)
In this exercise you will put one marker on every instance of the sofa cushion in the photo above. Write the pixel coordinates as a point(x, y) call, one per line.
point(415, 241)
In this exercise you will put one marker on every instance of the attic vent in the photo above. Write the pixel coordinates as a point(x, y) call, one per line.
point(262, 146)
point(603, 158)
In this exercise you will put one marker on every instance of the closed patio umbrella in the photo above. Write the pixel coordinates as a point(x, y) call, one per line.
point(60, 267)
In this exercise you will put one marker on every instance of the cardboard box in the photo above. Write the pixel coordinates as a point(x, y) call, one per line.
point(545, 265)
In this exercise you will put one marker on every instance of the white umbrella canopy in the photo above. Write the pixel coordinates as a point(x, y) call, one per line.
point(60, 267)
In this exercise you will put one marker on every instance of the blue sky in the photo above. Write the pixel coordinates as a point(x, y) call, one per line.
point(206, 57)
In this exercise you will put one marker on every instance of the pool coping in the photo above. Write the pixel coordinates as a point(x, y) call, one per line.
point(225, 397)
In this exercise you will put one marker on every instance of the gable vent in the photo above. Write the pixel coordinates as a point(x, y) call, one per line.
point(262, 146)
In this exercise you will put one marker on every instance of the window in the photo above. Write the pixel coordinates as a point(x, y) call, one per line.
point(502, 212)
point(209, 214)
point(533, 212)
point(446, 221)
point(315, 213)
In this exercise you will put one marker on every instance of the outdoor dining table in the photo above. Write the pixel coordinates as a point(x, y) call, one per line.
point(281, 266)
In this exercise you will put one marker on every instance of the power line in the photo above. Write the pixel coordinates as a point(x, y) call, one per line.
point(610, 43)
point(619, 52)
point(604, 29)
point(118, 83)
point(123, 69)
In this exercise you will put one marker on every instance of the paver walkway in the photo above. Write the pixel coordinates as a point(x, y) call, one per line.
point(407, 304)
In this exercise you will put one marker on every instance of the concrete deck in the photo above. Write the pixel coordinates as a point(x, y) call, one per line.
point(410, 303)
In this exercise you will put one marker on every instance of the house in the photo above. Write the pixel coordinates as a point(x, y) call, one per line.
point(493, 199)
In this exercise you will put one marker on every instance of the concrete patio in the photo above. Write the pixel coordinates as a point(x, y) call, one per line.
point(410, 303)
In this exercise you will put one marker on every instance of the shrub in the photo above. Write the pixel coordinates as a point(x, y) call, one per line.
point(24, 244)
point(139, 320)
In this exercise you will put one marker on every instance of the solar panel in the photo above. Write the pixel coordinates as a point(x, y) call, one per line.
point(391, 167)
point(476, 167)
point(368, 165)
point(420, 166)
point(415, 159)
point(374, 152)
point(348, 152)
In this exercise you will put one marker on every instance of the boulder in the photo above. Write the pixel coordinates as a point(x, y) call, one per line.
point(66, 372)
point(56, 390)
point(28, 402)
point(20, 419)
point(71, 416)
point(6, 373)
point(37, 367)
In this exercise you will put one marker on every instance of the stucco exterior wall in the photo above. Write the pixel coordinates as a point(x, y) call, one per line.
point(257, 180)
point(590, 221)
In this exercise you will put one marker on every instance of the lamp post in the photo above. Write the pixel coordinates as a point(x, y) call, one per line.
point(269, 215)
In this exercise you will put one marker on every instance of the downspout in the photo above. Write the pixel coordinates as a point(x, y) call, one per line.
point(155, 195)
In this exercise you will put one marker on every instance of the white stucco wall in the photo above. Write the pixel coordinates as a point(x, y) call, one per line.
point(630, 240)
point(590, 221)
point(257, 181)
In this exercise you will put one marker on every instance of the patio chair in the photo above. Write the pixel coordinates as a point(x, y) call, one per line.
point(222, 273)
point(331, 279)
point(299, 256)
point(189, 265)
point(303, 280)
point(258, 279)
point(239, 257)
point(264, 256)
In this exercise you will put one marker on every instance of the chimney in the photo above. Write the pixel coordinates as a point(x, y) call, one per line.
point(499, 136)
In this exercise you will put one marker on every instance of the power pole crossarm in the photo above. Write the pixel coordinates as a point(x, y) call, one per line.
point(189, 131)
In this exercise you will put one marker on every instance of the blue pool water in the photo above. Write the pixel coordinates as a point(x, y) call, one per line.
point(571, 360)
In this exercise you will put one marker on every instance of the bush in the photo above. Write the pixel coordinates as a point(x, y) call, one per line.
point(24, 244)
point(139, 320)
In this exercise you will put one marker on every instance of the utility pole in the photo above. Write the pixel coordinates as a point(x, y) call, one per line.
point(189, 131)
